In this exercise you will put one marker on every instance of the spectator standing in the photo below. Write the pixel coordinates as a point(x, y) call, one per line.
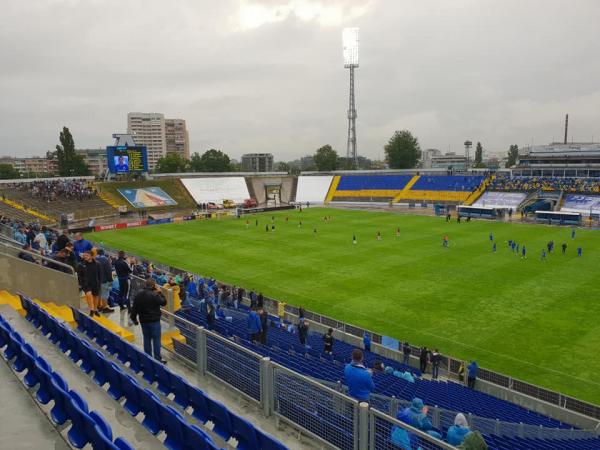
point(358, 378)
point(472, 369)
point(406, 351)
point(264, 324)
point(367, 341)
point(89, 281)
point(328, 342)
point(146, 307)
point(423, 357)
point(435, 364)
point(303, 331)
point(62, 240)
point(123, 273)
point(81, 245)
point(253, 325)
point(210, 316)
point(260, 300)
point(105, 281)
point(40, 240)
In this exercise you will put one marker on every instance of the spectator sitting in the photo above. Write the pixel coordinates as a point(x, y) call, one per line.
point(24, 255)
point(358, 378)
point(416, 416)
point(457, 432)
point(61, 257)
point(474, 441)
point(378, 366)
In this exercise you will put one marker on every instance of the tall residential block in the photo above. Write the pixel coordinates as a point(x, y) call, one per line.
point(257, 162)
point(177, 137)
point(149, 129)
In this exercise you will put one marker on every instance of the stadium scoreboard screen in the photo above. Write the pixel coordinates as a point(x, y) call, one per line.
point(127, 159)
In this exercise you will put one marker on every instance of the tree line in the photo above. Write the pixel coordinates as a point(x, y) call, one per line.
point(402, 151)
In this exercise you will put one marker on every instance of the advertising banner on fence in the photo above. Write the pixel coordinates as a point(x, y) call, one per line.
point(159, 221)
point(147, 197)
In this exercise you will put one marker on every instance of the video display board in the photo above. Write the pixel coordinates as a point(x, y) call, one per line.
point(127, 159)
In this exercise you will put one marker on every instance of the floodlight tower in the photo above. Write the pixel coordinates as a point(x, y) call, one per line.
point(468, 145)
point(350, 50)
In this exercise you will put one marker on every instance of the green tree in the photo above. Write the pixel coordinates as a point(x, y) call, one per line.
point(172, 163)
point(513, 154)
point(478, 154)
point(283, 167)
point(8, 172)
point(211, 161)
point(402, 151)
point(326, 158)
point(70, 164)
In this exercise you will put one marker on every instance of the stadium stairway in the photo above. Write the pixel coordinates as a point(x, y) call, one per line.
point(409, 185)
point(17, 214)
point(332, 188)
point(108, 199)
point(146, 385)
point(479, 191)
point(24, 209)
point(32, 357)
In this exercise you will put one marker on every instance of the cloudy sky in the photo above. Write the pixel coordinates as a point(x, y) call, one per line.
point(254, 76)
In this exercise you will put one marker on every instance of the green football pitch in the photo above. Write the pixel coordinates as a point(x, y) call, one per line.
point(536, 320)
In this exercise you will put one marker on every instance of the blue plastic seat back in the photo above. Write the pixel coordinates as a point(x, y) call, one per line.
point(149, 403)
point(147, 366)
point(181, 389)
point(133, 355)
point(29, 357)
point(58, 413)
point(79, 400)
point(196, 437)
point(72, 341)
point(13, 349)
point(99, 363)
point(43, 374)
point(110, 338)
point(86, 352)
point(77, 433)
point(220, 416)
point(4, 333)
point(65, 341)
point(121, 349)
point(95, 426)
point(131, 391)
point(199, 405)
point(163, 376)
point(268, 442)
point(244, 432)
point(122, 444)
point(114, 375)
point(101, 442)
point(172, 423)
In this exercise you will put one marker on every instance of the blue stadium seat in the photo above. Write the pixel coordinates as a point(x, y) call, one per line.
point(95, 426)
point(64, 339)
point(267, 442)
point(244, 432)
point(149, 405)
point(4, 332)
point(15, 345)
point(181, 389)
point(131, 391)
point(79, 400)
point(220, 416)
point(121, 347)
point(29, 355)
point(77, 433)
point(198, 403)
point(60, 394)
point(163, 376)
point(173, 425)
point(122, 444)
point(133, 356)
point(114, 375)
point(99, 363)
point(147, 366)
point(72, 343)
point(86, 351)
point(197, 439)
point(43, 373)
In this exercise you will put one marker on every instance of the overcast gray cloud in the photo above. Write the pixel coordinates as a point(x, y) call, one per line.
point(267, 75)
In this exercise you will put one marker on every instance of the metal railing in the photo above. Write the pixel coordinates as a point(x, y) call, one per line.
point(322, 413)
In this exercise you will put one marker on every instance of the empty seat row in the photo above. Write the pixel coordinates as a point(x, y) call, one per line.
point(137, 399)
point(86, 426)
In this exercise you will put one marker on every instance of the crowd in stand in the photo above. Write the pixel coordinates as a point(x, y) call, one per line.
point(51, 190)
point(582, 185)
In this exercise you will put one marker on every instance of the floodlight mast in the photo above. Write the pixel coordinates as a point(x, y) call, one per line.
point(350, 50)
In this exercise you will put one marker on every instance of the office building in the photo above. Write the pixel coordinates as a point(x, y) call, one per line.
point(257, 162)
